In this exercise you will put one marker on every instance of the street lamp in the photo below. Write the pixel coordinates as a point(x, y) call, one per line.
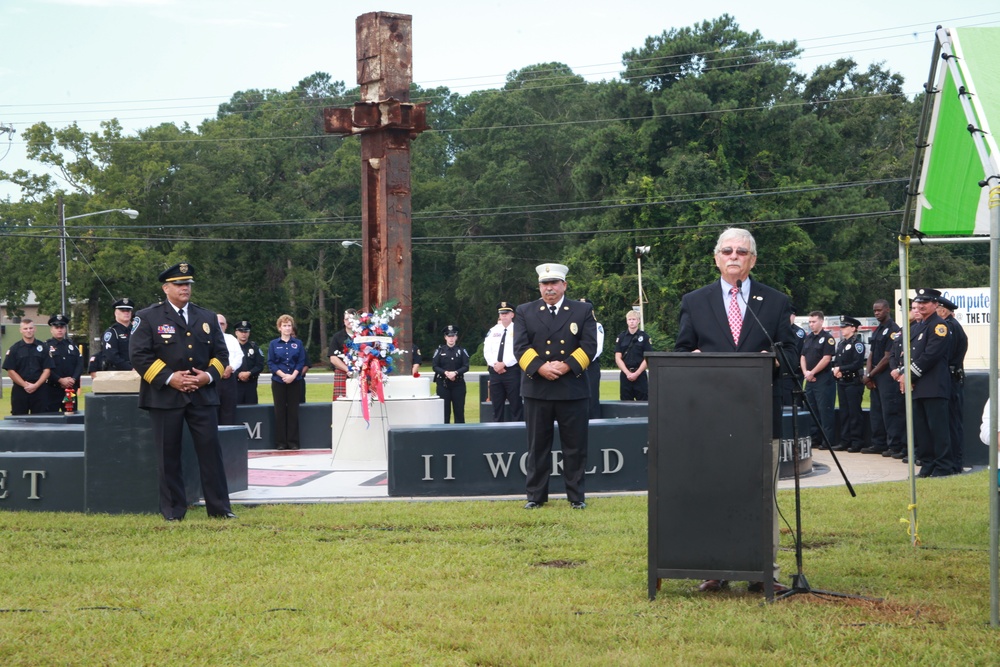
point(641, 250)
point(348, 244)
point(130, 212)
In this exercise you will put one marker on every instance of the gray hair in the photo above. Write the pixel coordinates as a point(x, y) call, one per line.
point(736, 233)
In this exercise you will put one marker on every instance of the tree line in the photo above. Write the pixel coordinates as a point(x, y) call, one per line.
point(708, 126)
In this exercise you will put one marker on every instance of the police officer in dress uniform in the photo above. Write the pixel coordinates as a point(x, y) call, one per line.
point(956, 365)
point(28, 365)
point(116, 344)
point(67, 365)
point(555, 339)
point(249, 371)
point(848, 363)
point(929, 353)
point(451, 363)
point(505, 374)
point(179, 352)
point(887, 413)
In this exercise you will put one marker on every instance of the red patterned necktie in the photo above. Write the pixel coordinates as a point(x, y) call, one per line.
point(735, 317)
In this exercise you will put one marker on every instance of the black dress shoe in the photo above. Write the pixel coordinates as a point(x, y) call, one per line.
point(854, 450)
point(758, 587)
point(227, 515)
point(924, 473)
point(898, 455)
point(839, 448)
point(872, 450)
point(173, 518)
point(578, 505)
point(532, 505)
point(887, 453)
point(713, 585)
point(942, 473)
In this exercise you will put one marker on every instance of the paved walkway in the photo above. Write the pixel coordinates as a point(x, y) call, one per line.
point(310, 476)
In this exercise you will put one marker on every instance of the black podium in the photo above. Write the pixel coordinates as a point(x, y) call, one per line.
point(712, 462)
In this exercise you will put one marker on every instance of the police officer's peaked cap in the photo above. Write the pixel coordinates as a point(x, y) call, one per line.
point(178, 274)
point(451, 330)
point(124, 304)
point(550, 272)
point(505, 307)
point(849, 322)
point(924, 295)
point(243, 325)
point(59, 320)
point(947, 303)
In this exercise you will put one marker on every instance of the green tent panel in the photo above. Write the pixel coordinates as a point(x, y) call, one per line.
point(950, 202)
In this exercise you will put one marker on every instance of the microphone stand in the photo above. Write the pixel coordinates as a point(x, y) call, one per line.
point(800, 585)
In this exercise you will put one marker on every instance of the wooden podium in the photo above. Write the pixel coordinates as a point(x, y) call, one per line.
point(712, 459)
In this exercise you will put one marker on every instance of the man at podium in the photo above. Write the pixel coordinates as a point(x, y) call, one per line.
point(714, 318)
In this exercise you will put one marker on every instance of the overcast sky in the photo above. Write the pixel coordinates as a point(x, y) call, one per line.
point(146, 62)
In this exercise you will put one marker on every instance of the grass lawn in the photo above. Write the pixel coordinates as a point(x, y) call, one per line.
point(486, 583)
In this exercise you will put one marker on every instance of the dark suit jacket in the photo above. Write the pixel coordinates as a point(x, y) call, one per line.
point(570, 336)
point(704, 323)
point(162, 344)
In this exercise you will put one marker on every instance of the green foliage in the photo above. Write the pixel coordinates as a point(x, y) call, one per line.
point(709, 126)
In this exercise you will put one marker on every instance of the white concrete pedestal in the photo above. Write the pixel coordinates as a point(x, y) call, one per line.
point(408, 401)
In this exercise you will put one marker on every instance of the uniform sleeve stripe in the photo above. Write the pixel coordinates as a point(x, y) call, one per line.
point(527, 358)
point(217, 365)
point(153, 371)
point(581, 358)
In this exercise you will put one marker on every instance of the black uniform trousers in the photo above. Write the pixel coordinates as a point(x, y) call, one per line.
point(23, 403)
point(633, 391)
point(572, 417)
point(933, 440)
point(956, 411)
point(506, 387)
point(887, 414)
point(286, 414)
point(453, 394)
point(246, 392)
point(594, 380)
point(850, 395)
point(168, 425)
point(227, 400)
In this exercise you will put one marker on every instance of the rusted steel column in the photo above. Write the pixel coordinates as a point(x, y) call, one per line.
point(387, 122)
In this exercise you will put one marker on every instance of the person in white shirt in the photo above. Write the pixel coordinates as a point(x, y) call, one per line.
point(505, 374)
point(227, 383)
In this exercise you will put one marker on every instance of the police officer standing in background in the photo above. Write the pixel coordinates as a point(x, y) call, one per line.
point(888, 420)
point(848, 363)
point(116, 355)
point(817, 353)
point(956, 365)
point(451, 363)
point(67, 365)
point(505, 374)
point(249, 371)
point(28, 365)
point(631, 347)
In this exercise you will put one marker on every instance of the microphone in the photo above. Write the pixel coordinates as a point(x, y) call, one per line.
point(739, 288)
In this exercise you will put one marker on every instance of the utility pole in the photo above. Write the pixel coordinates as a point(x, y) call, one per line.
point(387, 123)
